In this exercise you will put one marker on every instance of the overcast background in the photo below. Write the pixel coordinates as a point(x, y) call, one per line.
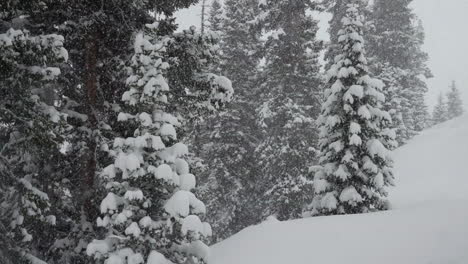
point(446, 26)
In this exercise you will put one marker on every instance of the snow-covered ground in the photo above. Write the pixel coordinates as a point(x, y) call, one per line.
point(428, 224)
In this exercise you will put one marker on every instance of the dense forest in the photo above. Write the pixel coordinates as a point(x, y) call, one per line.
point(108, 110)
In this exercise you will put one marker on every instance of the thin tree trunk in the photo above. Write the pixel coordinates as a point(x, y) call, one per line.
point(91, 85)
point(203, 17)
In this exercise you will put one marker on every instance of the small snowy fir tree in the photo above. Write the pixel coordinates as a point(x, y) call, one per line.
point(454, 102)
point(354, 137)
point(215, 18)
point(150, 214)
point(440, 111)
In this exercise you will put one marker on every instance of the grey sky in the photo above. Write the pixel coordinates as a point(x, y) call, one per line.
point(445, 23)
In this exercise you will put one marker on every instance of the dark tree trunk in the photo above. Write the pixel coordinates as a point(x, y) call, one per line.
point(91, 86)
point(203, 17)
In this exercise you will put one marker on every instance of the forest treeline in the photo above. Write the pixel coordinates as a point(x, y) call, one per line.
point(108, 111)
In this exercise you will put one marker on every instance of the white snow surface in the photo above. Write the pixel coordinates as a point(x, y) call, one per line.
point(427, 225)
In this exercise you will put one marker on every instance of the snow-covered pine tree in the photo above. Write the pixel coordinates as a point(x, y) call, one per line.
point(242, 45)
point(395, 40)
point(354, 137)
point(226, 142)
point(439, 114)
point(197, 92)
point(417, 83)
point(227, 175)
point(215, 18)
point(291, 90)
point(454, 102)
point(89, 92)
point(150, 213)
point(392, 91)
point(337, 8)
point(98, 42)
point(90, 88)
point(30, 136)
point(215, 27)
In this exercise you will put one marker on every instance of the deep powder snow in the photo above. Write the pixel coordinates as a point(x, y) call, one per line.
point(427, 225)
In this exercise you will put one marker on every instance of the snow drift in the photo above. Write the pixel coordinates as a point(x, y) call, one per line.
point(428, 223)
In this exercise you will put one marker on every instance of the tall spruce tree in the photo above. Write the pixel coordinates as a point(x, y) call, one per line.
point(99, 38)
point(337, 8)
point(291, 90)
point(31, 136)
point(215, 18)
point(393, 92)
point(242, 45)
point(418, 75)
point(395, 41)
point(99, 45)
point(454, 102)
point(226, 142)
point(354, 134)
point(149, 211)
point(215, 26)
point(440, 113)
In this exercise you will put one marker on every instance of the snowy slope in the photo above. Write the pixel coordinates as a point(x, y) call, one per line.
point(428, 225)
point(433, 167)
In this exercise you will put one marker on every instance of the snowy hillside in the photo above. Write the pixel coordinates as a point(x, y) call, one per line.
point(428, 225)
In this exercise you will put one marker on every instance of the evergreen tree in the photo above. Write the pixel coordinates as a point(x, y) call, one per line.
point(242, 45)
point(440, 111)
point(337, 8)
point(203, 15)
point(215, 26)
point(30, 136)
point(291, 90)
point(226, 142)
point(215, 17)
point(394, 98)
point(228, 172)
point(454, 102)
point(395, 41)
point(89, 92)
point(354, 137)
point(99, 46)
point(91, 87)
point(150, 211)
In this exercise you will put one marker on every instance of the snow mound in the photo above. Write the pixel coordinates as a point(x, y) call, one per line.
point(428, 223)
